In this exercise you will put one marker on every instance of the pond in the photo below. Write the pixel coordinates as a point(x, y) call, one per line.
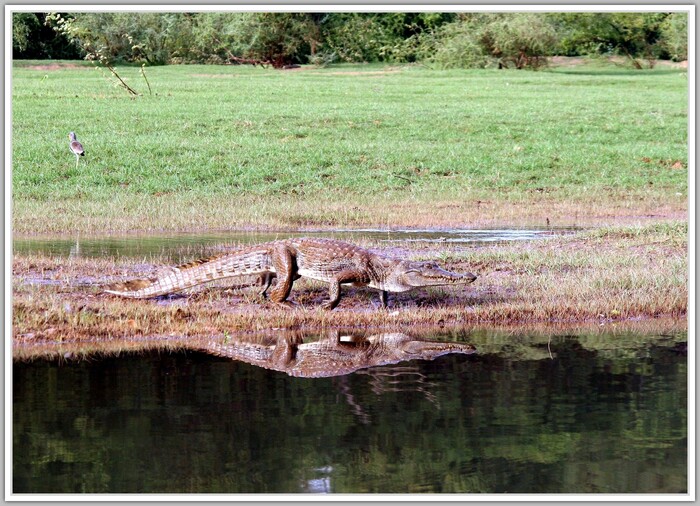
point(458, 411)
point(176, 244)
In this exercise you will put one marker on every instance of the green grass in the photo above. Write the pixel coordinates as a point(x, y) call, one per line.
point(224, 137)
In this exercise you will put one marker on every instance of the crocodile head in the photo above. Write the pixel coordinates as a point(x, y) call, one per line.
point(428, 350)
point(408, 274)
point(414, 347)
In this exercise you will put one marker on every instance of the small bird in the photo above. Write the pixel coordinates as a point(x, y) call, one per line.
point(76, 148)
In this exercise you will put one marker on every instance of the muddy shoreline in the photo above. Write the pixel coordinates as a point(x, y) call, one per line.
point(601, 277)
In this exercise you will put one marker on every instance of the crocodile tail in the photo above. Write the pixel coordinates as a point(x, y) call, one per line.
point(192, 274)
point(173, 280)
point(133, 288)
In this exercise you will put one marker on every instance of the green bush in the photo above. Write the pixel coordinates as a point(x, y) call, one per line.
point(24, 24)
point(633, 35)
point(276, 38)
point(365, 37)
point(33, 38)
point(213, 37)
point(127, 36)
point(358, 37)
point(520, 40)
point(454, 45)
point(468, 40)
point(160, 38)
point(674, 36)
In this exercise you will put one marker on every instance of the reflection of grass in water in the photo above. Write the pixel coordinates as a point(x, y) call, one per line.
point(600, 276)
point(625, 339)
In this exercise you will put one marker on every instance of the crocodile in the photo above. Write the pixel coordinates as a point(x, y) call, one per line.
point(328, 260)
point(333, 354)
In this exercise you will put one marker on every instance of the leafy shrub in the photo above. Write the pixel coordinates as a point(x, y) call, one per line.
point(479, 40)
point(454, 45)
point(276, 38)
point(519, 40)
point(633, 35)
point(213, 36)
point(23, 26)
point(358, 37)
point(127, 36)
point(674, 36)
point(33, 38)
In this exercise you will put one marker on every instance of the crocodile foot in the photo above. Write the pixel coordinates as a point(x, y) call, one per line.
point(329, 305)
point(286, 304)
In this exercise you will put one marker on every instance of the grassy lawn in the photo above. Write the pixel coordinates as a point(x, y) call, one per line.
point(234, 147)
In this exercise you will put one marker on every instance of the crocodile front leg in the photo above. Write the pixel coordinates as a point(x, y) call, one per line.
point(334, 288)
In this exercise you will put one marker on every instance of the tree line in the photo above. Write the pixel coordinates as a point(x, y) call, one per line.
point(438, 40)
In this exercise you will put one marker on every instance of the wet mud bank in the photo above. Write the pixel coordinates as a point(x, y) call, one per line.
point(595, 277)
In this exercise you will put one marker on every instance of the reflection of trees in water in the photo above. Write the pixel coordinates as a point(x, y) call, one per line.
point(407, 378)
point(355, 407)
point(389, 379)
point(584, 421)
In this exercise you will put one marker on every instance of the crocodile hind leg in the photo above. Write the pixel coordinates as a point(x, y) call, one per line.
point(383, 297)
point(285, 350)
point(286, 271)
point(265, 281)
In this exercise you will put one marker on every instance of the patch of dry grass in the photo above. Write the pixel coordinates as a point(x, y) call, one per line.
point(177, 212)
point(605, 275)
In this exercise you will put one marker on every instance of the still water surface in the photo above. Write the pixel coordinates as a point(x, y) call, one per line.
point(170, 245)
point(525, 414)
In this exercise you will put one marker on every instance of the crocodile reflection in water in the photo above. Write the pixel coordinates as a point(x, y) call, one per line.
point(334, 354)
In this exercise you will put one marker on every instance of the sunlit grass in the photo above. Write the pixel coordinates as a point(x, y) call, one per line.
point(234, 147)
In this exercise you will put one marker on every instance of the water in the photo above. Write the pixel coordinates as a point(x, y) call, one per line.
point(172, 245)
point(525, 414)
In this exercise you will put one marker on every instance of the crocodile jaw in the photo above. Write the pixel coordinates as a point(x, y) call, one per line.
point(432, 278)
point(407, 275)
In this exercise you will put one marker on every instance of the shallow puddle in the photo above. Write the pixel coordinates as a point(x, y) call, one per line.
point(175, 245)
point(459, 411)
